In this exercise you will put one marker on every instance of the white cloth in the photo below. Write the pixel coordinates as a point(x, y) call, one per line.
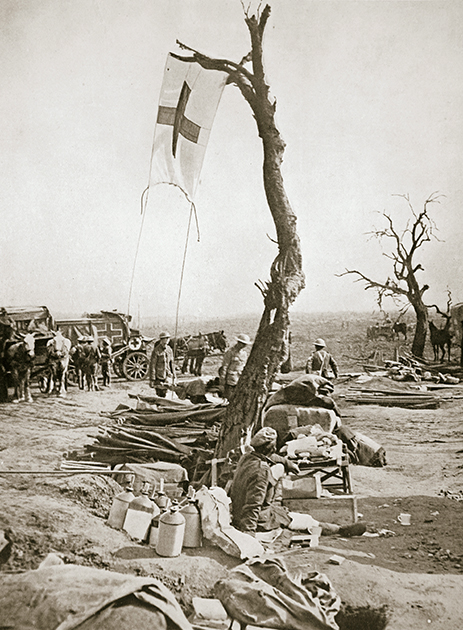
point(189, 99)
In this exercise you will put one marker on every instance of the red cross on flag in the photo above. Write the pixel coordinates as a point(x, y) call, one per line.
point(189, 99)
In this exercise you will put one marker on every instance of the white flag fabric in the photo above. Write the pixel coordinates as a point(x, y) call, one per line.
point(189, 99)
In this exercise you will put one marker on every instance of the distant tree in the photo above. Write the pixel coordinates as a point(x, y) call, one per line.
point(403, 283)
point(286, 276)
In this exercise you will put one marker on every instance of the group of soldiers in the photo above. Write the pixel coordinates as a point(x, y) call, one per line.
point(88, 358)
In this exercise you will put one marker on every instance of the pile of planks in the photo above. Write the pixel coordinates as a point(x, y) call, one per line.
point(156, 430)
point(387, 393)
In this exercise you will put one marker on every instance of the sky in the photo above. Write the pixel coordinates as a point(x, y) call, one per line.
point(369, 103)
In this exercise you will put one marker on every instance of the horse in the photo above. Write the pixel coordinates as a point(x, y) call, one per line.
point(380, 330)
point(217, 340)
point(58, 354)
point(197, 350)
point(440, 339)
point(400, 327)
point(19, 358)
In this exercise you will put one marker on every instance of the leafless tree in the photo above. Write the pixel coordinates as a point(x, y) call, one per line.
point(286, 275)
point(403, 282)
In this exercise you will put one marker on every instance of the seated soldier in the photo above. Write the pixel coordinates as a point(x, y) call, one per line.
point(252, 492)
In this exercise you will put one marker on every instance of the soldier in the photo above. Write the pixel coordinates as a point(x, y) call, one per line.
point(233, 362)
point(252, 492)
point(321, 362)
point(105, 361)
point(161, 365)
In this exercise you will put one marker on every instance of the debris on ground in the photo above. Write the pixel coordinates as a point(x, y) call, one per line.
point(380, 390)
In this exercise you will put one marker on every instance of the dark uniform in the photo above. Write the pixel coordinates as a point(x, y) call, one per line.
point(321, 362)
point(252, 493)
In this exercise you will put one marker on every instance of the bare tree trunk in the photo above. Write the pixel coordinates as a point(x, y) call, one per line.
point(287, 279)
point(421, 330)
point(286, 275)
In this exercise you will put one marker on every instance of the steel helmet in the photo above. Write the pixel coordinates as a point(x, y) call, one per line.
point(244, 339)
point(320, 343)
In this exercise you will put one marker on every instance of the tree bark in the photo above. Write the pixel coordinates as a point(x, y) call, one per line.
point(286, 275)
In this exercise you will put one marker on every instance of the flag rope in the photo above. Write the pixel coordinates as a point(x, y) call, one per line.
point(192, 211)
point(138, 246)
point(144, 203)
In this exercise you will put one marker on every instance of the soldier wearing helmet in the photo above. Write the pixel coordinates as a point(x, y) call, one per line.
point(233, 362)
point(321, 362)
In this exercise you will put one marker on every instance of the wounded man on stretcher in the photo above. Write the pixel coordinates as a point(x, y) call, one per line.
point(307, 397)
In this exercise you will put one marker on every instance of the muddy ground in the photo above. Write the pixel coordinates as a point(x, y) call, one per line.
point(44, 512)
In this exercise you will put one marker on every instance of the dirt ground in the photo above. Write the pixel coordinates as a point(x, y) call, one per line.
point(415, 571)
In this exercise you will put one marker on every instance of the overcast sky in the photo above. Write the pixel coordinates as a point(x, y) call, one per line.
point(369, 102)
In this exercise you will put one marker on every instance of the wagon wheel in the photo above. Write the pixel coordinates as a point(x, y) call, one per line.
point(136, 366)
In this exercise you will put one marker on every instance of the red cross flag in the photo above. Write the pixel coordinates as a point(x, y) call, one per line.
point(189, 99)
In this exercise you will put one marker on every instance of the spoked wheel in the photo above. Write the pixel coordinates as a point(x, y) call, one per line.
point(136, 366)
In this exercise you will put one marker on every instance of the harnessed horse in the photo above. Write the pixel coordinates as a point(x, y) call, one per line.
point(197, 349)
point(19, 358)
point(441, 338)
point(58, 352)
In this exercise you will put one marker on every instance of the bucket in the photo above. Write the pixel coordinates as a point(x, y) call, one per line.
point(171, 532)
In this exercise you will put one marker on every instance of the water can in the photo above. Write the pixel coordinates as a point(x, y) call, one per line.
point(193, 534)
point(120, 505)
point(160, 497)
point(171, 531)
point(139, 515)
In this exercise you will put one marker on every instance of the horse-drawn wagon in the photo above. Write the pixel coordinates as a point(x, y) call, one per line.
point(129, 346)
point(16, 324)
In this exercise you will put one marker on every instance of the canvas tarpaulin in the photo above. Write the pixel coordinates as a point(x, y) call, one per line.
point(263, 593)
point(214, 505)
point(65, 597)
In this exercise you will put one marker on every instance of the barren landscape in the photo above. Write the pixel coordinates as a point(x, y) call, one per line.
point(415, 572)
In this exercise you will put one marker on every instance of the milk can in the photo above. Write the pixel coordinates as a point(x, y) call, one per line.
point(139, 514)
point(120, 505)
point(160, 497)
point(171, 532)
point(193, 536)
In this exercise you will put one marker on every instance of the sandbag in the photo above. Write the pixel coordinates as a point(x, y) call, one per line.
point(65, 597)
point(284, 418)
point(369, 452)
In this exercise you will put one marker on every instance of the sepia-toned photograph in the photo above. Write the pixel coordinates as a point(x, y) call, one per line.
point(231, 314)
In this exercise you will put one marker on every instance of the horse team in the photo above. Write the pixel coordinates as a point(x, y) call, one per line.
point(196, 348)
point(19, 354)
